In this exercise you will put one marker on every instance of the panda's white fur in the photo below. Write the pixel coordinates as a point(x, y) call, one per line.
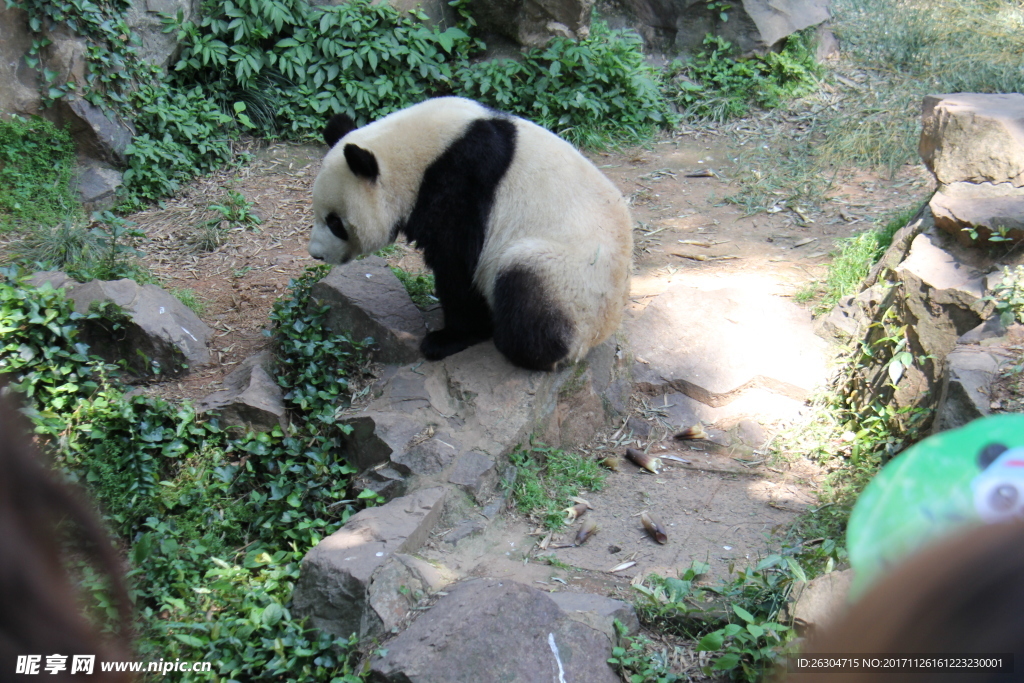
point(556, 233)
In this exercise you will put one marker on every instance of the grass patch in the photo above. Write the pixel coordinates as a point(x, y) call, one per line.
point(547, 479)
point(190, 298)
point(37, 160)
point(852, 261)
point(420, 287)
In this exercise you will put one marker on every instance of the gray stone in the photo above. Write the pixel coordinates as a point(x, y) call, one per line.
point(98, 134)
point(964, 209)
point(55, 278)
point(672, 27)
point(699, 343)
point(598, 612)
point(158, 333)
point(476, 474)
point(334, 584)
point(251, 398)
point(974, 138)
point(367, 300)
point(383, 480)
point(511, 631)
point(968, 374)
point(819, 602)
point(145, 17)
point(97, 184)
point(943, 298)
point(992, 328)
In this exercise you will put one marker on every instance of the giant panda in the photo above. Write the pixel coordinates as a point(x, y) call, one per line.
point(529, 242)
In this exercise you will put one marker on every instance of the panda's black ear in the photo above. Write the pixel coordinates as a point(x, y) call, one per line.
point(989, 453)
point(362, 162)
point(338, 127)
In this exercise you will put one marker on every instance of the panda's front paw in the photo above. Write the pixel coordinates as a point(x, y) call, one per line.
point(442, 343)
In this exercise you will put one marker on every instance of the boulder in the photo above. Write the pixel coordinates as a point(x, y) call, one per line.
point(97, 184)
point(251, 398)
point(532, 23)
point(511, 631)
point(942, 298)
point(367, 300)
point(146, 19)
point(335, 585)
point(972, 137)
point(818, 602)
point(970, 211)
point(974, 146)
point(148, 330)
point(969, 373)
point(672, 27)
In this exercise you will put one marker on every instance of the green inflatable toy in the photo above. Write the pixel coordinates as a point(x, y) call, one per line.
point(967, 476)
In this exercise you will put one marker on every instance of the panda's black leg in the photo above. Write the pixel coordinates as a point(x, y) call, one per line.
point(529, 327)
point(467, 319)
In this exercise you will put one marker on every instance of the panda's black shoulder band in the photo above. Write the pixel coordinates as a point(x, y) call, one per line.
point(338, 127)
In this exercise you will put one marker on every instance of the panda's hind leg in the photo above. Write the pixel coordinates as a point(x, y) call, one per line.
point(467, 319)
point(530, 329)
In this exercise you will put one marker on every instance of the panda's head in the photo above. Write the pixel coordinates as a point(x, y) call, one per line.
point(348, 218)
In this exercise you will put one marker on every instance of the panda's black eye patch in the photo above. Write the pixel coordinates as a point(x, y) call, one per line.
point(336, 226)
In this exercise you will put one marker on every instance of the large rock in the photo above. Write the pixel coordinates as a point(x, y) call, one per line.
point(451, 420)
point(672, 27)
point(974, 145)
point(532, 23)
point(942, 299)
point(334, 588)
point(970, 211)
point(974, 138)
point(146, 19)
point(148, 330)
point(720, 347)
point(819, 602)
point(510, 631)
point(367, 300)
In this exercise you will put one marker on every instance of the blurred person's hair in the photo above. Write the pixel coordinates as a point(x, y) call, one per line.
point(41, 520)
point(962, 595)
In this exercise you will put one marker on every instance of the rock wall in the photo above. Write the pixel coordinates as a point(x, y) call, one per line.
point(672, 27)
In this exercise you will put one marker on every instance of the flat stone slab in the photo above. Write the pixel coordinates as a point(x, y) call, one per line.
point(983, 208)
point(970, 371)
point(496, 630)
point(821, 601)
point(333, 588)
point(715, 345)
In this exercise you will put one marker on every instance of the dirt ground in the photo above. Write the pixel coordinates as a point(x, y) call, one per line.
point(721, 507)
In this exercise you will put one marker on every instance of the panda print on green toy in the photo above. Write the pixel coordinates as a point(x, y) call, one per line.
point(530, 244)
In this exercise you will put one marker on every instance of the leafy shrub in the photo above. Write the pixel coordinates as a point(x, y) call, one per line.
point(587, 91)
point(751, 640)
point(1008, 296)
point(216, 525)
point(292, 64)
point(714, 85)
point(36, 163)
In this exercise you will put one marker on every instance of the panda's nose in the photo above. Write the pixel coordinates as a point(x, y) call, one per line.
point(318, 258)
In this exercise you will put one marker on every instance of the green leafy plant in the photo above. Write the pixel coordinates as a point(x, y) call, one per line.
point(589, 91)
point(714, 85)
point(214, 523)
point(547, 479)
point(637, 661)
point(1008, 295)
point(736, 618)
